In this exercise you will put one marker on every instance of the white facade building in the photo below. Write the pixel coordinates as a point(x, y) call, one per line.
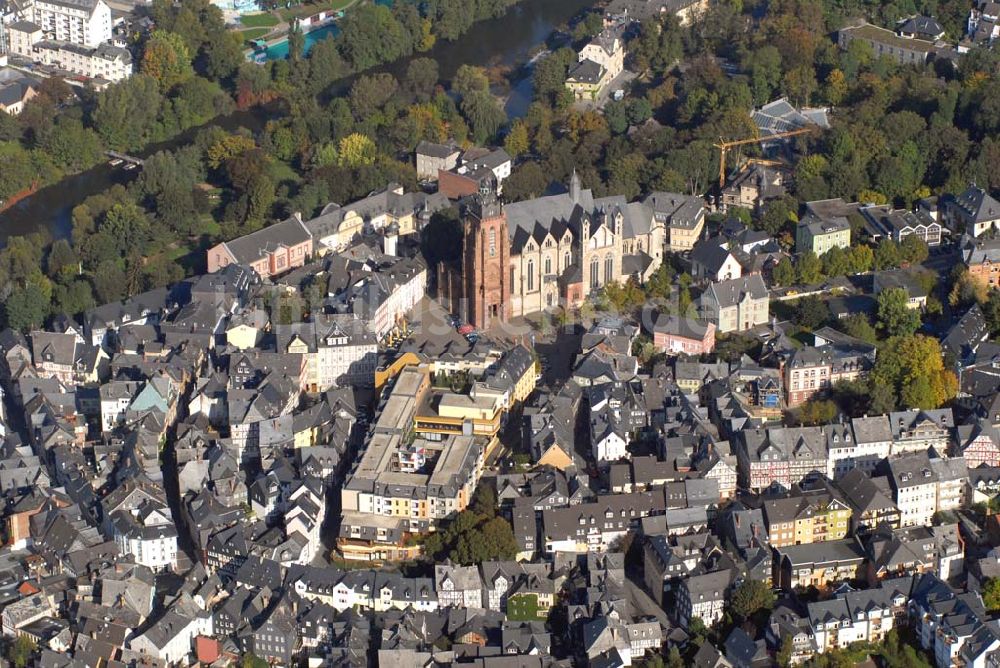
point(83, 22)
point(149, 534)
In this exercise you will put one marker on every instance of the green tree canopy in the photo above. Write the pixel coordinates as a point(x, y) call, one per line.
point(895, 317)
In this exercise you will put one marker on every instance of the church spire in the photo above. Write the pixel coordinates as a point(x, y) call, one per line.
point(574, 187)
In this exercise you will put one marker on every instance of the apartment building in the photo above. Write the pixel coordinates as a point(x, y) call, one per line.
point(857, 616)
point(83, 22)
point(978, 444)
point(593, 527)
point(916, 430)
point(336, 227)
point(780, 456)
point(870, 499)
point(383, 504)
point(915, 488)
point(270, 251)
point(736, 305)
point(818, 565)
point(704, 596)
point(812, 370)
point(810, 518)
point(974, 212)
point(982, 259)
point(872, 441)
point(339, 350)
point(819, 235)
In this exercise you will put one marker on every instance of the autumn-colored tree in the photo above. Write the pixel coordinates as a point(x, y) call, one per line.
point(167, 59)
point(835, 87)
point(226, 148)
point(427, 38)
point(967, 289)
point(913, 367)
point(872, 197)
point(516, 141)
point(356, 150)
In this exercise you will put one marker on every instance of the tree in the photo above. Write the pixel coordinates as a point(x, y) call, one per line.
point(371, 93)
point(913, 249)
point(74, 298)
point(697, 630)
point(62, 261)
point(811, 312)
point(251, 660)
point(371, 35)
point(776, 214)
point(968, 289)
point(816, 412)
point(860, 327)
point(126, 112)
point(882, 398)
point(26, 308)
point(784, 656)
point(860, 259)
point(751, 597)
point(836, 262)
point(991, 594)
point(490, 540)
point(109, 282)
point(166, 59)
point(810, 268)
point(421, 77)
point(484, 114)
point(616, 113)
point(516, 141)
point(470, 79)
point(528, 180)
point(228, 147)
point(911, 369)
point(784, 272)
point(21, 650)
point(895, 317)
point(356, 150)
point(887, 255)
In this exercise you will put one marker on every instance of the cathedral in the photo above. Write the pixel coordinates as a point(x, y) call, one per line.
point(535, 255)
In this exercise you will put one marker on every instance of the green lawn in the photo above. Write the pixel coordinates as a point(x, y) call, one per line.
point(253, 33)
point(310, 8)
point(263, 20)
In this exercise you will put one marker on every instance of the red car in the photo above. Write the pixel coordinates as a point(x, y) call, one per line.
point(466, 329)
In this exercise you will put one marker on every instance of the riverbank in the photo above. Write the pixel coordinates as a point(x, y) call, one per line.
point(511, 40)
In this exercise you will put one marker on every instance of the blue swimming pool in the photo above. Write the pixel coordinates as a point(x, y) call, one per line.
point(279, 51)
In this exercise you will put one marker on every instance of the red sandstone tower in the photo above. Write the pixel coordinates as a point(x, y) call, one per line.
point(485, 259)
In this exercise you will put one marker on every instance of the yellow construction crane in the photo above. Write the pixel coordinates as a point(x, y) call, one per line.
point(724, 146)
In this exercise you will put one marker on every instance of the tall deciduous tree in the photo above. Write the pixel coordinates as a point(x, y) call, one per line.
point(895, 316)
point(912, 368)
point(166, 59)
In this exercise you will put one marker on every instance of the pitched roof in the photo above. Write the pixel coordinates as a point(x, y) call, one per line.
point(251, 247)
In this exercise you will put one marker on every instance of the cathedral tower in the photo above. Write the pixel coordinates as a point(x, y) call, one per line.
point(486, 259)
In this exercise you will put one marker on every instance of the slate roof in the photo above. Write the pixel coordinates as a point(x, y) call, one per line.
point(922, 26)
point(251, 247)
point(730, 293)
point(977, 205)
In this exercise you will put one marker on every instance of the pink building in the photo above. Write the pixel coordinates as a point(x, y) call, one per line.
point(270, 251)
point(673, 334)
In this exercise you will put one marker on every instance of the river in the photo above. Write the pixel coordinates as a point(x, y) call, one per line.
point(508, 41)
